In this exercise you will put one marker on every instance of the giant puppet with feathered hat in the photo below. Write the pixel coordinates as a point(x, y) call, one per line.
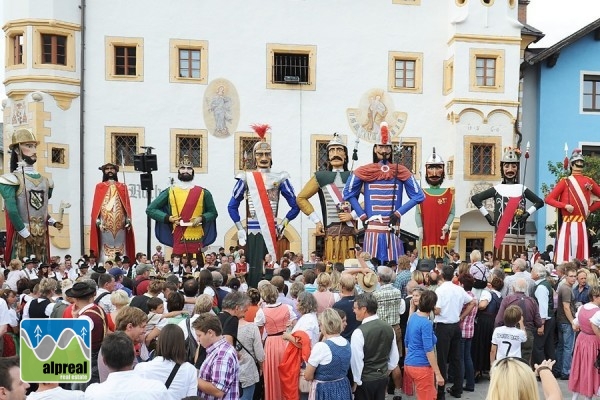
point(383, 184)
point(510, 205)
point(336, 221)
point(573, 198)
point(261, 188)
point(435, 214)
point(26, 193)
point(185, 214)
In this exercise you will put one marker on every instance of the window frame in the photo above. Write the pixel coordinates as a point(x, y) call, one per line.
point(111, 43)
point(10, 45)
point(417, 58)
point(498, 56)
point(50, 147)
point(238, 154)
point(469, 141)
point(70, 56)
point(175, 45)
point(126, 66)
point(54, 49)
point(596, 86)
point(308, 50)
point(174, 154)
point(110, 133)
point(448, 84)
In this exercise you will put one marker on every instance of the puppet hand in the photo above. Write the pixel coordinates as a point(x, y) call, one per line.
point(58, 225)
point(524, 217)
point(197, 221)
point(241, 234)
point(569, 208)
point(394, 219)
point(319, 228)
point(490, 220)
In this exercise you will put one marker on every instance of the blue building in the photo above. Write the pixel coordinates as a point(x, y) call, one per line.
point(561, 105)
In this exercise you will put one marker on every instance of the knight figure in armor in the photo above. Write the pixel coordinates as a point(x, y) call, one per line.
point(26, 193)
point(261, 189)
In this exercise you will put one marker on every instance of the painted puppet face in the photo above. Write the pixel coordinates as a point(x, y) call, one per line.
point(435, 174)
point(337, 156)
point(383, 152)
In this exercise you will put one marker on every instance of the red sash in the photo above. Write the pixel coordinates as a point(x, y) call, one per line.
point(186, 212)
point(506, 219)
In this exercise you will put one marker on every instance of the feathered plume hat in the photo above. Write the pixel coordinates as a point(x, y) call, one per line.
point(384, 135)
point(261, 130)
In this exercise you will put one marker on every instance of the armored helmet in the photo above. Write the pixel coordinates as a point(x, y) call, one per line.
point(23, 135)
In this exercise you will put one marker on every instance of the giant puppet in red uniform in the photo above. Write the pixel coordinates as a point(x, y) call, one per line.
point(111, 231)
point(435, 214)
point(572, 196)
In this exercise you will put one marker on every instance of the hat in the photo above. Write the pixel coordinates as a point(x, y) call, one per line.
point(384, 135)
point(141, 268)
point(31, 260)
point(577, 155)
point(336, 141)
point(261, 131)
point(116, 271)
point(125, 259)
point(439, 260)
point(511, 155)
point(351, 263)
point(101, 270)
point(80, 290)
point(22, 136)
point(103, 167)
point(435, 159)
point(84, 265)
point(185, 161)
point(367, 282)
point(425, 265)
point(44, 266)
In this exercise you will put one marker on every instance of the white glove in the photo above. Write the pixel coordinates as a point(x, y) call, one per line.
point(241, 234)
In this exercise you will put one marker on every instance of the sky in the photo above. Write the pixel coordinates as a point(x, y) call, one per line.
point(557, 19)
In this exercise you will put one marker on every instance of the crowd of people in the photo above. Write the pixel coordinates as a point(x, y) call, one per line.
point(186, 328)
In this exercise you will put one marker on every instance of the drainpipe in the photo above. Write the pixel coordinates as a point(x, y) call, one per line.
point(82, 130)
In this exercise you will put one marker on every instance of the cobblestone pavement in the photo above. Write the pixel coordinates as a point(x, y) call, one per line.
point(481, 389)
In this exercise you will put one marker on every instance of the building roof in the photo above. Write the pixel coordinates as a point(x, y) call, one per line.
point(530, 30)
point(556, 48)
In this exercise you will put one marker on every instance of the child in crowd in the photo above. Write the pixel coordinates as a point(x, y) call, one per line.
point(156, 309)
point(507, 339)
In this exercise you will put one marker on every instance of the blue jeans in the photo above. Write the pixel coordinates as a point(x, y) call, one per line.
point(467, 361)
point(564, 350)
point(248, 393)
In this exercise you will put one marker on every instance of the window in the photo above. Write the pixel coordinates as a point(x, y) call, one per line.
point(591, 150)
point(54, 49)
point(188, 61)
point(482, 159)
point(244, 146)
point(124, 58)
point(291, 67)
point(58, 155)
point(190, 142)
point(448, 76)
point(406, 155)
point(450, 167)
point(322, 155)
point(486, 70)
point(591, 93)
point(190, 146)
point(121, 144)
point(17, 49)
point(405, 73)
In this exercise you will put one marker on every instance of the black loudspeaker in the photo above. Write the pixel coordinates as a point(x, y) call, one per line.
point(144, 162)
point(146, 181)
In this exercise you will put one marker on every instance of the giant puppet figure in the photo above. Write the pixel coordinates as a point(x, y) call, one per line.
point(337, 224)
point(262, 189)
point(382, 184)
point(26, 193)
point(510, 213)
point(111, 231)
point(572, 196)
point(185, 214)
point(435, 214)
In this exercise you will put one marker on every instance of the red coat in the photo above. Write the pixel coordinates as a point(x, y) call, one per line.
point(289, 369)
point(99, 193)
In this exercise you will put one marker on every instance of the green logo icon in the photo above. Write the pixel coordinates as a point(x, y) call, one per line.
point(55, 350)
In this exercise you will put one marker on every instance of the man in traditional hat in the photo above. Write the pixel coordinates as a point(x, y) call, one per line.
point(111, 231)
point(510, 213)
point(573, 198)
point(382, 183)
point(435, 214)
point(185, 214)
point(340, 231)
point(262, 189)
point(26, 193)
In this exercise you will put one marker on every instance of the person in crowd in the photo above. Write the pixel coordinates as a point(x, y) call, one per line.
point(11, 385)
point(519, 268)
point(507, 339)
point(488, 307)
point(522, 381)
point(581, 288)
point(374, 350)
point(543, 342)
point(565, 313)
point(450, 310)
point(254, 295)
point(530, 311)
point(42, 306)
point(307, 307)
point(324, 297)
point(346, 304)
point(275, 318)
point(279, 283)
point(420, 363)
point(118, 299)
point(251, 355)
point(219, 374)
point(170, 363)
point(51, 391)
point(467, 328)
point(403, 276)
point(117, 351)
point(329, 360)
point(480, 272)
point(585, 379)
point(15, 274)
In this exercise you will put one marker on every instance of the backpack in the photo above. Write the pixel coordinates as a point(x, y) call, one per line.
point(191, 346)
point(59, 309)
point(480, 283)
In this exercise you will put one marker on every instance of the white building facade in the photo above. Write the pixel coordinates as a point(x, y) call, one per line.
point(96, 80)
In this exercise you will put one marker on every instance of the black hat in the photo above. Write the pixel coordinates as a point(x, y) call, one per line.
point(425, 265)
point(125, 259)
point(80, 290)
point(31, 261)
point(439, 260)
point(44, 265)
point(101, 270)
point(84, 265)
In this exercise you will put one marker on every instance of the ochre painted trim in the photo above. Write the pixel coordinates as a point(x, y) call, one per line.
point(42, 79)
point(482, 102)
point(20, 23)
point(487, 39)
